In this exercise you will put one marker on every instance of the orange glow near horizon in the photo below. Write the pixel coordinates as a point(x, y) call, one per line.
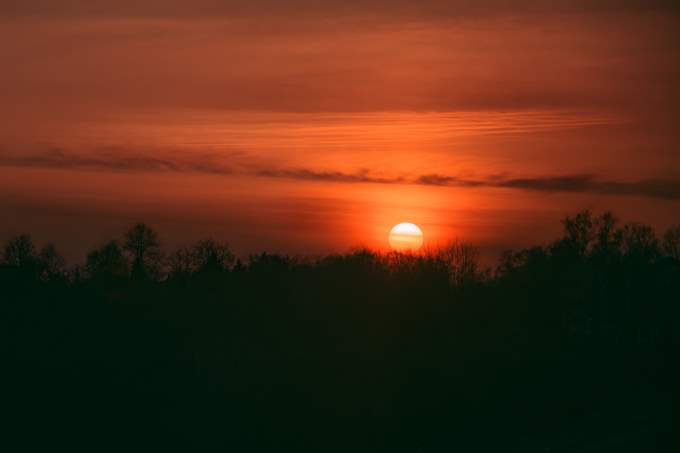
point(290, 132)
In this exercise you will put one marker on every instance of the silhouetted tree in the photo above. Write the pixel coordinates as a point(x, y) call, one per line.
point(579, 232)
point(671, 242)
point(639, 242)
point(209, 255)
point(181, 263)
point(523, 260)
point(205, 256)
point(462, 262)
point(238, 267)
point(107, 263)
point(20, 252)
point(143, 245)
point(270, 263)
point(51, 263)
point(608, 243)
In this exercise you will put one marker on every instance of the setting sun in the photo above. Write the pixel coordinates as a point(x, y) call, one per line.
point(406, 237)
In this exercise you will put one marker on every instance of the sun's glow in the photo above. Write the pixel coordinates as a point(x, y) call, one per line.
point(406, 237)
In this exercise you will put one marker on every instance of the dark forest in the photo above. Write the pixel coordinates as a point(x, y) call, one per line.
point(570, 346)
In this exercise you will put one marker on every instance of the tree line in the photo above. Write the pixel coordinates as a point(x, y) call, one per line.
point(566, 346)
point(138, 255)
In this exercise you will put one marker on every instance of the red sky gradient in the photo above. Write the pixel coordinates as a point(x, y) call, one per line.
point(310, 127)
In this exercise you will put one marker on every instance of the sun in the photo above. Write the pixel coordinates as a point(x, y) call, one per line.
point(406, 237)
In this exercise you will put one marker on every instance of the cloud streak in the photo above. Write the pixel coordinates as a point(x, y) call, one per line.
point(667, 189)
point(655, 188)
point(113, 161)
point(361, 176)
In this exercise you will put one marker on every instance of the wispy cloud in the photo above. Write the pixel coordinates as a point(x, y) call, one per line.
point(128, 162)
point(579, 183)
point(655, 188)
point(361, 176)
point(113, 161)
point(445, 180)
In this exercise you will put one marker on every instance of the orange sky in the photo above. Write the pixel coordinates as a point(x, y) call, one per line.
point(308, 127)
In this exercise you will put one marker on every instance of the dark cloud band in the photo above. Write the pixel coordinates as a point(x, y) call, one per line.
point(654, 188)
point(113, 161)
point(668, 189)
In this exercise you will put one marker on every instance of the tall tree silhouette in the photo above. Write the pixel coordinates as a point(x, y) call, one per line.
point(607, 241)
point(579, 232)
point(143, 245)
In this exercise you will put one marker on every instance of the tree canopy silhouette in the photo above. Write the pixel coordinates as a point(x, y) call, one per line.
point(20, 252)
point(568, 346)
point(107, 263)
point(142, 243)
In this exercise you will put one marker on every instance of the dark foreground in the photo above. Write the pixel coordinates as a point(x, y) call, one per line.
point(572, 347)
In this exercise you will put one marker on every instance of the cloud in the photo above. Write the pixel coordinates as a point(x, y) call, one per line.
point(362, 176)
point(655, 188)
point(444, 180)
point(569, 183)
point(579, 183)
point(113, 160)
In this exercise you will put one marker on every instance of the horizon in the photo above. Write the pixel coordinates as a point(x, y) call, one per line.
point(484, 261)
